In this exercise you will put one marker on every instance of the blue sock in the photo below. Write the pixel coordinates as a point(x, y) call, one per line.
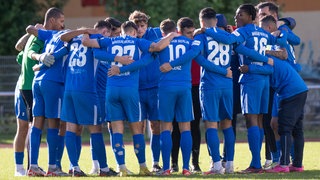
point(213, 143)
point(229, 143)
point(186, 148)
point(34, 144)
point(155, 147)
point(99, 148)
point(118, 149)
point(18, 157)
point(71, 145)
point(139, 147)
point(166, 147)
point(78, 141)
point(52, 141)
point(254, 145)
point(261, 137)
point(60, 149)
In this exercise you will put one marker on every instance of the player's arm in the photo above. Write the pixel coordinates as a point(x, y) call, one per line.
point(163, 43)
point(256, 69)
point(103, 55)
point(280, 53)
point(292, 38)
point(146, 58)
point(241, 49)
point(209, 66)
point(21, 43)
point(223, 36)
point(278, 37)
point(67, 36)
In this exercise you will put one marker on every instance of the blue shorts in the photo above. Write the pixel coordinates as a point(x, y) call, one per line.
point(175, 102)
point(20, 106)
point(275, 105)
point(255, 97)
point(47, 98)
point(149, 103)
point(123, 104)
point(81, 108)
point(216, 105)
point(102, 100)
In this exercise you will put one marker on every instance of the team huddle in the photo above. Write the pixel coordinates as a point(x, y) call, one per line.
point(173, 76)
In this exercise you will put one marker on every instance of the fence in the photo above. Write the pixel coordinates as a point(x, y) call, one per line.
point(10, 70)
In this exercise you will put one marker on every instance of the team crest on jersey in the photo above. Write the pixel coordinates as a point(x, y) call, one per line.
point(196, 43)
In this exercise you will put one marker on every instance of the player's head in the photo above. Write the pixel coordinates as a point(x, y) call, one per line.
point(245, 14)
point(207, 17)
point(116, 26)
point(54, 19)
point(167, 26)
point(222, 22)
point(186, 27)
point(267, 8)
point(129, 28)
point(141, 20)
point(103, 27)
point(268, 23)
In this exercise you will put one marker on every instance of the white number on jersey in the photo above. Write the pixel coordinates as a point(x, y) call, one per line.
point(121, 51)
point(260, 45)
point(175, 53)
point(223, 58)
point(78, 56)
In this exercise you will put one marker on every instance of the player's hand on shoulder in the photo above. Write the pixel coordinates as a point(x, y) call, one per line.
point(244, 69)
point(166, 67)
point(114, 70)
point(198, 31)
point(276, 33)
point(39, 26)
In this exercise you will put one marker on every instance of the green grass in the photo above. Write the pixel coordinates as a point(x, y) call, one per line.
point(242, 158)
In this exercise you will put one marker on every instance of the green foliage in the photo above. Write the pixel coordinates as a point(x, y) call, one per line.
point(173, 9)
point(16, 15)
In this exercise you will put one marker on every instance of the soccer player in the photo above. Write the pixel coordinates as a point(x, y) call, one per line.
point(122, 91)
point(264, 9)
point(22, 127)
point(81, 105)
point(102, 71)
point(292, 92)
point(148, 86)
point(186, 28)
point(54, 20)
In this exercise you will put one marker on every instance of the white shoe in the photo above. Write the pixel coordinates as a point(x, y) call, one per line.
point(229, 170)
point(20, 172)
point(94, 171)
point(213, 171)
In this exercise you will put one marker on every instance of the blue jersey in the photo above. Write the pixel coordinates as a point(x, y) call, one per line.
point(149, 75)
point(81, 71)
point(122, 46)
point(179, 75)
point(220, 55)
point(284, 80)
point(52, 43)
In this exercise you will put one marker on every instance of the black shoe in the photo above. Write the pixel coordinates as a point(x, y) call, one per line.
point(174, 168)
point(111, 172)
point(196, 169)
point(156, 168)
point(78, 173)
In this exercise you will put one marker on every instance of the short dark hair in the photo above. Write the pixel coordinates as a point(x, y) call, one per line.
point(129, 25)
point(53, 13)
point(249, 9)
point(185, 22)
point(102, 24)
point(115, 23)
point(167, 26)
point(272, 6)
point(207, 13)
point(268, 19)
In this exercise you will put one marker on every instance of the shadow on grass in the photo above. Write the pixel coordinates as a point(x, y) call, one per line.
point(308, 174)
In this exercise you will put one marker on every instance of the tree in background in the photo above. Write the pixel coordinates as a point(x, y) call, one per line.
point(173, 9)
point(16, 15)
